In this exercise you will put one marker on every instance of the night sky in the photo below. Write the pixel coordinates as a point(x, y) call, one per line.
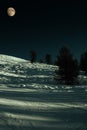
point(44, 27)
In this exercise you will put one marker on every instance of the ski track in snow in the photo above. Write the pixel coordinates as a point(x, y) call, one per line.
point(31, 100)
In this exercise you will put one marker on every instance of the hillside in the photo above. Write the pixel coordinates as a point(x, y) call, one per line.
point(19, 71)
point(31, 100)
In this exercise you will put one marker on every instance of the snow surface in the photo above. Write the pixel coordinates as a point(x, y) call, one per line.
point(31, 100)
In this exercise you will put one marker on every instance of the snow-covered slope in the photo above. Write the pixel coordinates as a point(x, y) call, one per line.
point(7, 58)
point(16, 70)
point(31, 100)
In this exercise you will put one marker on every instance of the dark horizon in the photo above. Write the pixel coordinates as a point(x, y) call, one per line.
point(44, 27)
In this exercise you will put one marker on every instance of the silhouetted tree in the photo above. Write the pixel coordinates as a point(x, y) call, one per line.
point(41, 61)
point(33, 56)
point(83, 62)
point(48, 59)
point(56, 62)
point(68, 67)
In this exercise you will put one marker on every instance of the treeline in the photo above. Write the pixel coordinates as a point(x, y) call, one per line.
point(68, 67)
point(47, 59)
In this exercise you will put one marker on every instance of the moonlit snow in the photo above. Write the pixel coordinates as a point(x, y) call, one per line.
point(30, 99)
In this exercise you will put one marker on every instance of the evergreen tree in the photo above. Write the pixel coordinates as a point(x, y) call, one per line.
point(33, 56)
point(83, 62)
point(41, 61)
point(48, 59)
point(68, 67)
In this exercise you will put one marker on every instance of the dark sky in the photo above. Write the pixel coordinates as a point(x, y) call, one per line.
point(43, 26)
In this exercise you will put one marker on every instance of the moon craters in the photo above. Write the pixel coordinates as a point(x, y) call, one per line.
point(11, 11)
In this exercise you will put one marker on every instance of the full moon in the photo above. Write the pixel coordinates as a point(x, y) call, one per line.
point(11, 11)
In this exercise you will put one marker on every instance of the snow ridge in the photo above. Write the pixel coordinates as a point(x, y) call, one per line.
point(8, 58)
